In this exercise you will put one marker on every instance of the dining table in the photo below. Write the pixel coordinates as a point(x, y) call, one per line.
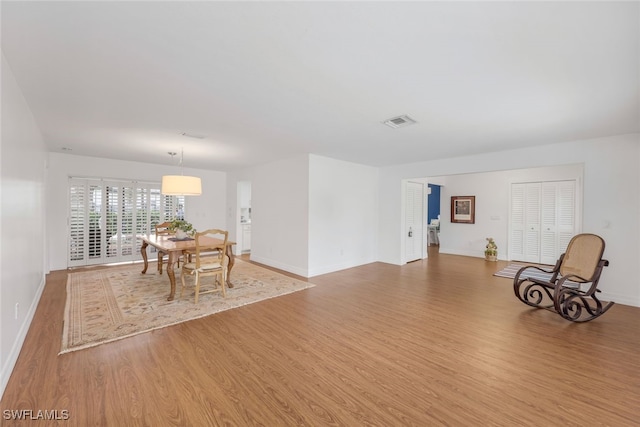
point(175, 247)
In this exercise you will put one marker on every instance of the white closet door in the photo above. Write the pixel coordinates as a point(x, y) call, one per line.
point(542, 220)
point(516, 220)
point(566, 224)
point(549, 234)
point(532, 222)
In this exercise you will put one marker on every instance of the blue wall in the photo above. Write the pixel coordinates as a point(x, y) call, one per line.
point(433, 201)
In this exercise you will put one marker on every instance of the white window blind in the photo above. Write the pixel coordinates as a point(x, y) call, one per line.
point(106, 215)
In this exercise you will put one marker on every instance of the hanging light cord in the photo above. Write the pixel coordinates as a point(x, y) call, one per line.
point(173, 153)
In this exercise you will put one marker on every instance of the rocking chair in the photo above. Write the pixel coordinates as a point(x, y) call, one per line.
point(572, 285)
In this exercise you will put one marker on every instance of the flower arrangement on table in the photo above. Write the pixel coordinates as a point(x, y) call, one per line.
point(491, 250)
point(182, 228)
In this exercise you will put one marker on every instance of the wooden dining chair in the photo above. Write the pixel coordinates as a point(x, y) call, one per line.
point(163, 229)
point(210, 260)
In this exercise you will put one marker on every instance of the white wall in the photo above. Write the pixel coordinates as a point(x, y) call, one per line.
point(611, 199)
point(205, 211)
point(279, 212)
point(310, 214)
point(22, 225)
point(343, 200)
point(492, 206)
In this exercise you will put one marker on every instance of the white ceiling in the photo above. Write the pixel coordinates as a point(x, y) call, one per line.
point(269, 80)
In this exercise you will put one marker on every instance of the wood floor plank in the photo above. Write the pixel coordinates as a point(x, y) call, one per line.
point(435, 342)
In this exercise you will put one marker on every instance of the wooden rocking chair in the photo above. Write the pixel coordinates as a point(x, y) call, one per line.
point(573, 283)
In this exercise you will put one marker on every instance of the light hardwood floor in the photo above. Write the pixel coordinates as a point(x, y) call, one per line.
point(434, 342)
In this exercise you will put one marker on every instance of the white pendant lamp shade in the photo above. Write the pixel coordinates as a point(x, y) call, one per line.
point(181, 185)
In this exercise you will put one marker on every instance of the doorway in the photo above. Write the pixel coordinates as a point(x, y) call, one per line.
point(433, 215)
point(244, 217)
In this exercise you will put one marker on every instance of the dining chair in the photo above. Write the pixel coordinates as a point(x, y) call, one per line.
point(163, 229)
point(210, 260)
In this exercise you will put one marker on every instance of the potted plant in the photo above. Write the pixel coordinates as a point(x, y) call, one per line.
point(182, 228)
point(491, 250)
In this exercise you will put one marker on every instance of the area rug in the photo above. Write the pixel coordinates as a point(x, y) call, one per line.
point(118, 302)
point(511, 270)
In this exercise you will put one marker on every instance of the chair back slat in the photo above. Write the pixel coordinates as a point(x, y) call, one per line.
point(211, 245)
point(583, 255)
point(203, 246)
point(163, 229)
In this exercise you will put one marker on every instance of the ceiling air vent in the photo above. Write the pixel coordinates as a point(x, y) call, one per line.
point(400, 121)
point(192, 135)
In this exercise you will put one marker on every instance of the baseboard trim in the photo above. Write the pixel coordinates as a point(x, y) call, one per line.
point(12, 358)
point(279, 266)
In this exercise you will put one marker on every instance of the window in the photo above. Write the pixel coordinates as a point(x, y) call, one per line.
point(106, 215)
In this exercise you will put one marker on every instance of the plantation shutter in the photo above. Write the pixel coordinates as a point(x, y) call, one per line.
point(112, 225)
point(105, 217)
point(78, 224)
point(173, 207)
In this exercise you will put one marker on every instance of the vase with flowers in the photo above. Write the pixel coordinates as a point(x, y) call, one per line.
point(491, 250)
point(182, 228)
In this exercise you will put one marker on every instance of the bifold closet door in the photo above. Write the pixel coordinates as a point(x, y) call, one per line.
point(542, 220)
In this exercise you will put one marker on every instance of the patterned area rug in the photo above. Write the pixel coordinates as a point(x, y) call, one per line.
point(117, 302)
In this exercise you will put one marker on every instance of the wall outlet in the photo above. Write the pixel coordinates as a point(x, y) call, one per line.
point(17, 310)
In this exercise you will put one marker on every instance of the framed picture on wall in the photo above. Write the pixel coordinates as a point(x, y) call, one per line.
point(463, 209)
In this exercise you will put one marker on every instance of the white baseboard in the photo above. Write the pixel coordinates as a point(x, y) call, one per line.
point(618, 299)
point(459, 252)
point(326, 269)
point(12, 358)
point(279, 265)
point(310, 273)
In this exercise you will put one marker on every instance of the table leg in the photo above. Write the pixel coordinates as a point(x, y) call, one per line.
point(172, 258)
point(231, 262)
point(143, 252)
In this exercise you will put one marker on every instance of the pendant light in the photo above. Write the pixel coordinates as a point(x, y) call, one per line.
point(181, 185)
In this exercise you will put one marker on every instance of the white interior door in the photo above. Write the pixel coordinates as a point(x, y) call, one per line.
point(414, 228)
